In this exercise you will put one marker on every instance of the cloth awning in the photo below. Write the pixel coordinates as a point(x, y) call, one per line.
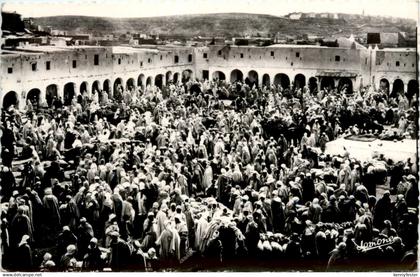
point(336, 74)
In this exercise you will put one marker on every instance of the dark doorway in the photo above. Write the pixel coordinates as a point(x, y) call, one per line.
point(33, 96)
point(313, 85)
point(68, 93)
point(384, 85)
point(412, 89)
point(50, 94)
point(397, 88)
point(9, 99)
point(107, 86)
point(345, 85)
point(236, 75)
point(300, 81)
point(186, 75)
point(327, 83)
point(83, 87)
point(282, 80)
point(266, 80)
point(205, 74)
point(159, 81)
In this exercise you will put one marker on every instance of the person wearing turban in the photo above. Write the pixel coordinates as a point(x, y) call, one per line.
point(23, 257)
point(52, 218)
point(165, 242)
point(19, 227)
point(120, 253)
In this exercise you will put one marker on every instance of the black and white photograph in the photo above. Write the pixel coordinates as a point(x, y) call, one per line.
point(209, 136)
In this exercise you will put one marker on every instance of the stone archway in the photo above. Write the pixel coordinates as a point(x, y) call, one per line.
point(266, 80)
point(282, 80)
point(397, 88)
point(327, 83)
point(69, 93)
point(236, 75)
point(252, 78)
point(384, 85)
point(218, 75)
point(168, 77)
point(107, 86)
point(9, 99)
point(51, 93)
point(118, 89)
point(96, 90)
point(313, 84)
point(412, 89)
point(141, 81)
point(159, 81)
point(96, 87)
point(83, 87)
point(34, 96)
point(186, 75)
point(345, 84)
point(149, 81)
point(175, 78)
point(130, 84)
point(300, 81)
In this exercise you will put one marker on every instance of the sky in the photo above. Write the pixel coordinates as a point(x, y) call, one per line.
point(149, 8)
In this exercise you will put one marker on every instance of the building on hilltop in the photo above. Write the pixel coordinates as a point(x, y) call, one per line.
point(295, 16)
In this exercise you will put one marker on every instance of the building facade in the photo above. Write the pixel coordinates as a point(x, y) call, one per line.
point(39, 73)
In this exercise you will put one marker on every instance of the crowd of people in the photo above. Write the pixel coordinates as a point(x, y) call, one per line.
point(180, 178)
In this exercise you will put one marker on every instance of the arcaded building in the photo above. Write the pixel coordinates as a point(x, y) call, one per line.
point(39, 73)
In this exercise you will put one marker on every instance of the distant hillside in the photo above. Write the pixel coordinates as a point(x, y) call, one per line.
point(228, 24)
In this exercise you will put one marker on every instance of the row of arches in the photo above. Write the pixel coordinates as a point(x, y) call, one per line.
point(398, 87)
point(282, 79)
point(70, 89)
point(326, 82)
point(253, 78)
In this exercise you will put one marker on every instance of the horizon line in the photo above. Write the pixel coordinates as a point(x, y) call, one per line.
point(210, 13)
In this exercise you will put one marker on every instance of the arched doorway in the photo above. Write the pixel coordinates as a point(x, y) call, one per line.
point(149, 81)
point(300, 81)
point(118, 89)
point(50, 94)
point(266, 80)
point(327, 83)
point(130, 84)
point(96, 87)
point(236, 75)
point(282, 80)
point(397, 88)
point(346, 85)
point(107, 86)
point(412, 88)
point(313, 84)
point(176, 78)
point(384, 85)
point(83, 87)
point(9, 99)
point(218, 75)
point(186, 75)
point(33, 96)
point(96, 90)
point(159, 81)
point(69, 93)
point(141, 81)
point(252, 78)
point(168, 77)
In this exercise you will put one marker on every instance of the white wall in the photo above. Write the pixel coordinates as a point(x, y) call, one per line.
point(310, 62)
